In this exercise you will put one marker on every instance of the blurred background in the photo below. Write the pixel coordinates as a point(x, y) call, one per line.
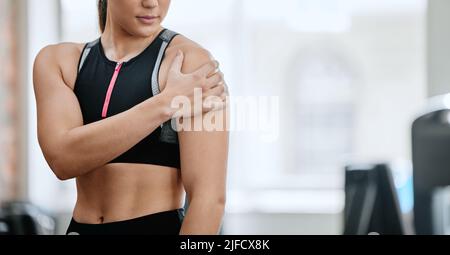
point(351, 77)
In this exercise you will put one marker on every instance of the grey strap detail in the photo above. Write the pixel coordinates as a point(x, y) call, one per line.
point(86, 52)
point(155, 75)
point(168, 134)
point(168, 35)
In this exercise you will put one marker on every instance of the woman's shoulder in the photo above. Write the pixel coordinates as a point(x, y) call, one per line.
point(60, 52)
point(61, 58)
point(187, 45)
point(195, 55)
point(62, 48)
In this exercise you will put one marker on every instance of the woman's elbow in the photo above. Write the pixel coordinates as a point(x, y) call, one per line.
point(54, 156)
point(219, 205)
point(221, 200)
point(63, 165)
point(61, 168)
point(211, 200)
point(215, 205)
point(62, 176)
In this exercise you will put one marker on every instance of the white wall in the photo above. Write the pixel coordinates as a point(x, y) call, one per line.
point(438, 47)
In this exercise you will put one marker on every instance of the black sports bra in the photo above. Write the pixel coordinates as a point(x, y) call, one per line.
point(105, 88)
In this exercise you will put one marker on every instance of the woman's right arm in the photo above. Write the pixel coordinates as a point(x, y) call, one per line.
point(73, 149)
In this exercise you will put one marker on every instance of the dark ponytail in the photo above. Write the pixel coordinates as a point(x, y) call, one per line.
point(102, 7)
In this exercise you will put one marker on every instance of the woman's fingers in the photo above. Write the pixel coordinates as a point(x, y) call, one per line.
point(207, 69)
point(177, 62)
point(216, 91)
point(224, 96)
point(213, 105)
point(213, 81)
point(226, 88)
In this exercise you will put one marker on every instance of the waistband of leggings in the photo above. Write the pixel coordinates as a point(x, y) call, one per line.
point(180, 212)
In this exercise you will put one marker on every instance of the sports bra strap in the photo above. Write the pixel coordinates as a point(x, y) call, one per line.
point(168, 134)
point(86, 50)
point(167, 37)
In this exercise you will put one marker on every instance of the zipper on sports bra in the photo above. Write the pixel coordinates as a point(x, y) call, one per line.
point(112, 83)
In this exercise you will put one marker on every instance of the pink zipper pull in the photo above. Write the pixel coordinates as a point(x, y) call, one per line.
point(112, 83)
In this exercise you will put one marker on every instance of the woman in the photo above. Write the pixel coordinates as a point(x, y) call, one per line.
point(103, 110)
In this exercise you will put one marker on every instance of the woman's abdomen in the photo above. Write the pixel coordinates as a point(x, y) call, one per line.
point(124, 191)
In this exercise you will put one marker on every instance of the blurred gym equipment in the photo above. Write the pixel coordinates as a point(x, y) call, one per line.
point(371, 203)
point(20, 218)
point(431, 166)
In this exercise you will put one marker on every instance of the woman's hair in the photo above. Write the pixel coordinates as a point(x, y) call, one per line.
point(102, 7)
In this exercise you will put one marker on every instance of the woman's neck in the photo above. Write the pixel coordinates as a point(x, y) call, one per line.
point(120, 46)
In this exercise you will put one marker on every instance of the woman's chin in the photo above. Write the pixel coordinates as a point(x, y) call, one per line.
point(147, 31)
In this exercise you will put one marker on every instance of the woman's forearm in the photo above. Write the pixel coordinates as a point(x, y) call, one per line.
point(88, 147)
point(203, 217)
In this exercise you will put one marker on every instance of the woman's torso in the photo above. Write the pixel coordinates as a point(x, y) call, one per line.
point(120, 191)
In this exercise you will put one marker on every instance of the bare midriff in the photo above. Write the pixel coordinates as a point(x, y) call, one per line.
point(123, 191)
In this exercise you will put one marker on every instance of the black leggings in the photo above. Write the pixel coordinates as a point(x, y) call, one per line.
point(161, 223)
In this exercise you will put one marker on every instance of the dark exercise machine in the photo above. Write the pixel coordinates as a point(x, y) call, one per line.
point(371, 203)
